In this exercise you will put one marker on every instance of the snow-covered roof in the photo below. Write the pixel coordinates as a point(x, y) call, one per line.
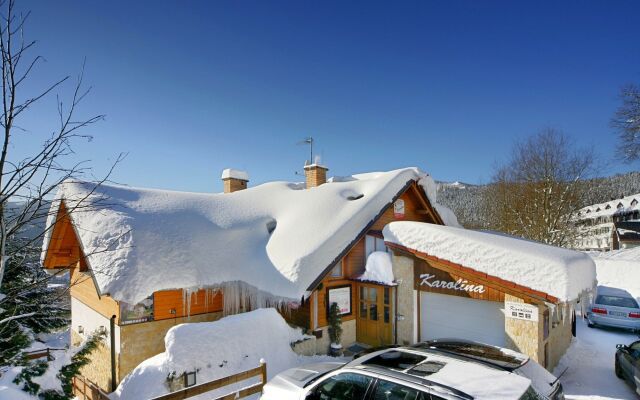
point(558, 272)
point(378, 269)
point(277, 237)
point(622, 205)
point(231, 173)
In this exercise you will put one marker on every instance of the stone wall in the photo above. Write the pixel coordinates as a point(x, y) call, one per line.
point(560, 337)
point(524, 336)
point(98, 370)
point(527, 337)
point(348, 337)
point(144, 340)
point(403, 273)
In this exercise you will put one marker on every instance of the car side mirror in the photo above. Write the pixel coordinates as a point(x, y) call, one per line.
point(621, 347)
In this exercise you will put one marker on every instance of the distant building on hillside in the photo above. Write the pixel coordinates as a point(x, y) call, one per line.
point(609, 226)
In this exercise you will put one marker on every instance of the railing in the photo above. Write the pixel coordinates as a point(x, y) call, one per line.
point(32, 355)
point(84, 389)
point(222, 382)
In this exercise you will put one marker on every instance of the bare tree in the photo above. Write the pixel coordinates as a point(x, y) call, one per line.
point(535, 193)
point(626, 121)
point(28, 184)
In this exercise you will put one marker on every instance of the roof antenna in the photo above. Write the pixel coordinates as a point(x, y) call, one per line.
point(308, 141)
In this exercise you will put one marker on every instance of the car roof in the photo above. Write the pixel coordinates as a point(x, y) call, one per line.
point(489, 354)
point(461, 377)
point(611, 291)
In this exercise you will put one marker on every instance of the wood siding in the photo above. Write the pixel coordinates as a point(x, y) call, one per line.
point(84, 289)
point(203, 301)
point(416, 209)
point(430, 267)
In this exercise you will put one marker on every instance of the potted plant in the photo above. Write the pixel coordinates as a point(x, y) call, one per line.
point(335, 330)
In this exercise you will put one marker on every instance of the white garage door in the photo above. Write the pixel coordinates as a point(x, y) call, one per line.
point(444, 316)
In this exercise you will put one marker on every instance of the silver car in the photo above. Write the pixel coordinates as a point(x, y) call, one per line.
point(614, 308)
point(402, 373)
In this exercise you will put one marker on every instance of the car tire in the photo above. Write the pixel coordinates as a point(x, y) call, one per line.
point(589, 324)
point(618, 370)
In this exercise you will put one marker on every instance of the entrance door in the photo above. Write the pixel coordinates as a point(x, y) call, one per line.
point(373, 326)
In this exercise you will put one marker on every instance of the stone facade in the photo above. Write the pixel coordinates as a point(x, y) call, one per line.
point(560, 335)
point(315, 175)
point(405, 313)
point(524, 336)
point(98, 370)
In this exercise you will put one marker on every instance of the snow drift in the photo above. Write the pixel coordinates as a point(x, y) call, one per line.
point(562, 273)
point(275, 237)
point(619, 268)
point(378, 268)
point(217, 349)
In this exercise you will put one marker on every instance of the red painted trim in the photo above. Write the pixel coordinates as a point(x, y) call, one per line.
point(517, 287)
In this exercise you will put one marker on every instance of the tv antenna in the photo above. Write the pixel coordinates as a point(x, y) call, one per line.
point(308, 141)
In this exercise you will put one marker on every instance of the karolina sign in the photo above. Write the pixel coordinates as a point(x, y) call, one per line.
point(461, 284)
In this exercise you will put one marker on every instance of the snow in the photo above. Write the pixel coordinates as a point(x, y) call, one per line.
point(590, 360)
point(620, 269)
point(275, 237)
point(627, 205)
point(218, 349)
point(480, 381)
point(8, 389)
point(378, 268)
point(562, 273)
point(234, 174)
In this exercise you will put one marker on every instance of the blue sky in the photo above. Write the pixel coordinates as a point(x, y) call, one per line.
point(189, 88)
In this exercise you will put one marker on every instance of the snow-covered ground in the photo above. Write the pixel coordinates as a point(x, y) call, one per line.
point(218, 349)
point(590, 358)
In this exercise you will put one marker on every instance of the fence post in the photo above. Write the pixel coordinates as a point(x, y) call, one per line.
point(263, 370)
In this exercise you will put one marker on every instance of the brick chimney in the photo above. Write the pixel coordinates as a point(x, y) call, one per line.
point(234, 180)
point(315, 175)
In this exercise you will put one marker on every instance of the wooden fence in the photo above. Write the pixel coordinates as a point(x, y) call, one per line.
point(222, 382)
point(84, 389)
point(35, 354)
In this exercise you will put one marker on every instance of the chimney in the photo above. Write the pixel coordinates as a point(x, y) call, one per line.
point(315, 175)
point(234, 180)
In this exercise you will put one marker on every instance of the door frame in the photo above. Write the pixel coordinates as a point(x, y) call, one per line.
point(385, 330)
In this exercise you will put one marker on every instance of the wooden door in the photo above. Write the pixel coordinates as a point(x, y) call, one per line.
point(375, 313)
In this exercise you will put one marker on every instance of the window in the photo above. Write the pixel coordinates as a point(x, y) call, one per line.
point(336, 272)
point(394, 391)
point(374, 243)
point(545, 329)
point(347, 386)
point(616, 301)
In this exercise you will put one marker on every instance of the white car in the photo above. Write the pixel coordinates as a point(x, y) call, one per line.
point(414, 373)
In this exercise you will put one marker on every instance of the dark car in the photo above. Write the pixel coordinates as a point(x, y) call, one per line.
point(628, 364)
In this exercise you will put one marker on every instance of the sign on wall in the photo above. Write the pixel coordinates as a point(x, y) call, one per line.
point(342, 297)
point(460, 284)
point(398, 209)
point(523, 311)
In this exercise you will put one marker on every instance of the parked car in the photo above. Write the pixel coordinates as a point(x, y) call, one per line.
point(544, 383)
point(614, 308)
point(628, 364)
point(405, 373)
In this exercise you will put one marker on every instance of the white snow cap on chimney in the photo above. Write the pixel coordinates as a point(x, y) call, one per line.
point(231, 173)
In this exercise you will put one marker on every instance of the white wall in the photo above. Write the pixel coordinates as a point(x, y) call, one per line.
point(90, 320)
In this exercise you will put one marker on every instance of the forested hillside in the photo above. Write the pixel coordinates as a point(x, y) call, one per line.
point(468, 201)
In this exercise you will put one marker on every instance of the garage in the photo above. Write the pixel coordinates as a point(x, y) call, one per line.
point(461, 317)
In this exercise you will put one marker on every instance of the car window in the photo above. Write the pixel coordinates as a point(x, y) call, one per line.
point(616, 301)
point(346, 386)
point(393, 391)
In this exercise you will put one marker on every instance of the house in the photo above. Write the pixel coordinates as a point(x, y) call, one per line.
point(144, 260)
point(595, 223)
point(625, 235)
point(488, 287)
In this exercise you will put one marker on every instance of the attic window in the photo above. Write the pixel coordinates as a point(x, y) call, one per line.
point(607, 207)
point(271, 226)
point(634, 202)
point(355, 197)
point(620, 205)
